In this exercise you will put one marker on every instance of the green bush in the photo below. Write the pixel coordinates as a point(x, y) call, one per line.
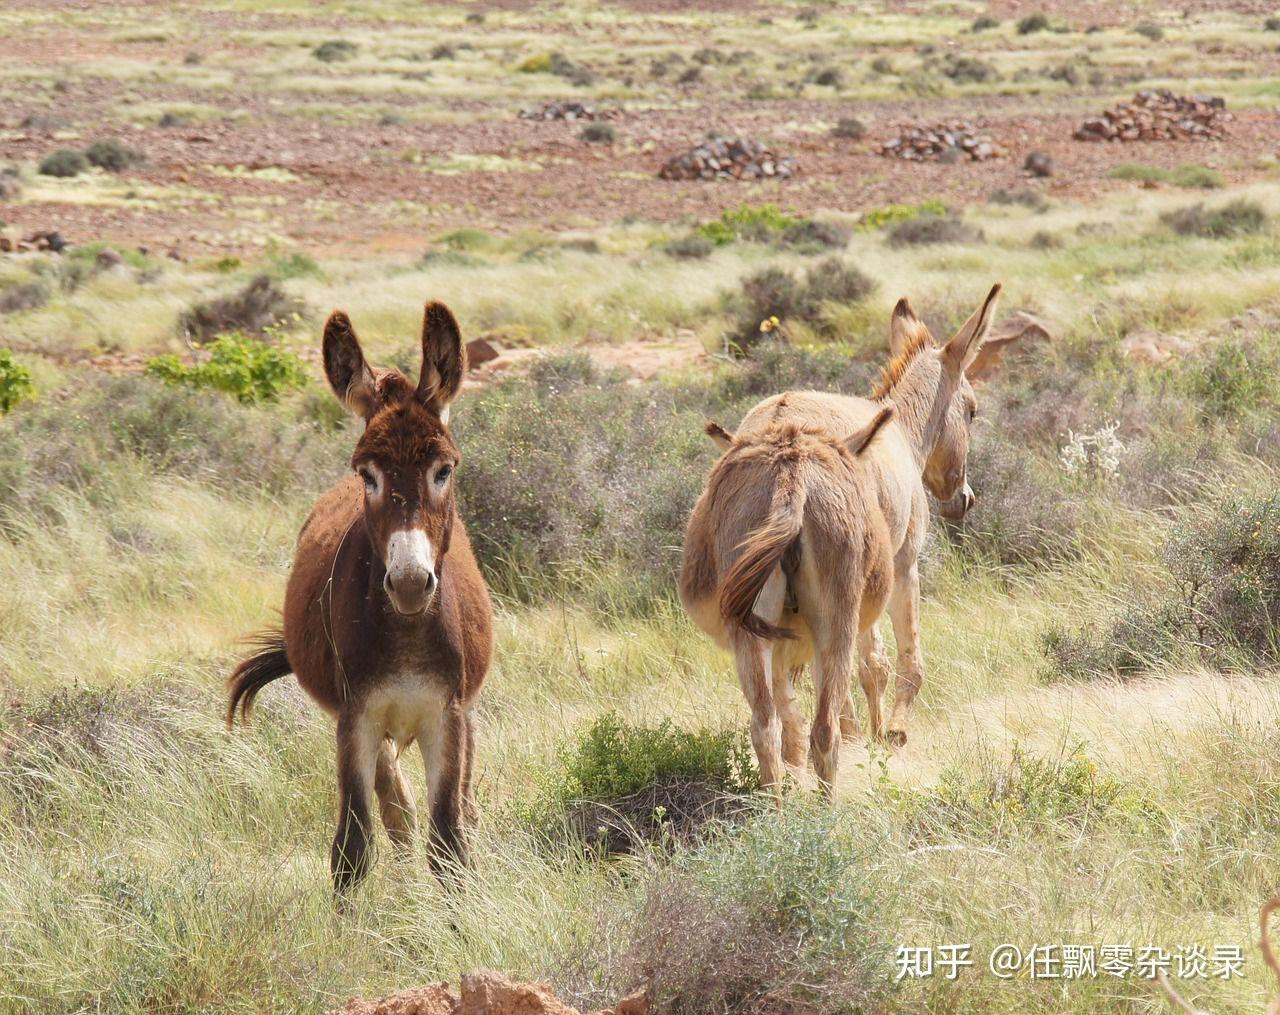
point(335, 51)
point(64, 163)
point(1234, 376)
point(756, 224)
point(620, 784)
point(1189, 175)
point(114, 157)
point(15, 381)
point(878, 218)
point(243, 367)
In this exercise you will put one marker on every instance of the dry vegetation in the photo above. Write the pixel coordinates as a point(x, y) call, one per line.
point(1095, 757)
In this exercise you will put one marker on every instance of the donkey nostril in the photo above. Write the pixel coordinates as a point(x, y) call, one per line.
point(431, 583)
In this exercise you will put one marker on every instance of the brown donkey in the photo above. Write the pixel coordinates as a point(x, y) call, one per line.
point(811, 524)
point(387, 621)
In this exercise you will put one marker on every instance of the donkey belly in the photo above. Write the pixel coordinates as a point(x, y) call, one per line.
point(407, 705)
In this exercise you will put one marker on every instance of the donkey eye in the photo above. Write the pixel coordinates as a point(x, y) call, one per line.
point(370, 483)
point(443, 475)
point(973, 413)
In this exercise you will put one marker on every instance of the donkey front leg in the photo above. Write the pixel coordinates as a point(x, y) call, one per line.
point(395, 798)
point(358, 746)
point(444, 752)
point(904, 612)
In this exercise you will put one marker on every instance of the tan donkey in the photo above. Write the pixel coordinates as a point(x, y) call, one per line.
point(811, 525)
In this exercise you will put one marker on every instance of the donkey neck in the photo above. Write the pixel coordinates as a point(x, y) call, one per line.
point(920, 397)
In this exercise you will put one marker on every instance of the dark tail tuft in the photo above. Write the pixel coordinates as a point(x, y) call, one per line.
point(269, 663)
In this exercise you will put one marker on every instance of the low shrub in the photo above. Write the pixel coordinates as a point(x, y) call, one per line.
point(557, 64)
point(1037, 22)
point(1136, 641)
point(245, 368)
point(693, 247)
point(930, 229)
point(851, 128)
point(773, 296)
point(1272, 25)
point(258, 307)
point(598, 133)
point(335, 51)
point(1227, 568)
point(620, 785)
point(114, 157)
point(1189, 175)
point(1232, 219)
point(968, 69)
point(15, 381)
point(812, 235)
point(64, 163)
point(984, 23)
point(790, 914)
point(23, 296)
point(1149, 31)
point(1027, 197)
point(1066, 795)
point(1233, 377)
point(831, 77)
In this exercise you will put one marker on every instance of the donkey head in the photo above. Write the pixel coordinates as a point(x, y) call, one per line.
point(957, 405)
point(405, 457)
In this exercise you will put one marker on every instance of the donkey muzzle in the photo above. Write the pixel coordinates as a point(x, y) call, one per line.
point(411, 572)
point(958, 506)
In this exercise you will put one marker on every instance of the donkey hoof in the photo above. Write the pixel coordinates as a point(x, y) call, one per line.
point(897, 738)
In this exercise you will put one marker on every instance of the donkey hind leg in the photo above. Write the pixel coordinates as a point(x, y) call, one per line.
point(870, 656)
point(753, 658)
point(444, 750)
point(358, 746)
point(834, 645)
point(873, 673)
point(784, 699)
point(395, 799)
point(904, 612)
point(470, 809)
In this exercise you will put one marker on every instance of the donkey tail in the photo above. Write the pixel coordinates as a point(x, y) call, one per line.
point(269, 663)
point(762, 551)
point(764, 548)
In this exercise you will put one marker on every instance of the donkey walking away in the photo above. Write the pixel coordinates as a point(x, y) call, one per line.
point(387, 620)
point(811, 524)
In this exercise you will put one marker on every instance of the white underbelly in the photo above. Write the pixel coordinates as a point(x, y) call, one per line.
point(408, 707)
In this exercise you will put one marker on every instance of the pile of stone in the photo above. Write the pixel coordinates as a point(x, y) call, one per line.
point(1159, 115)
point(52, 241)
point(942, 142)
point(569, 109)
point(736, 158)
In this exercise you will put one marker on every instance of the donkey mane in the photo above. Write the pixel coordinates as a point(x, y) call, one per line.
point(893, 373)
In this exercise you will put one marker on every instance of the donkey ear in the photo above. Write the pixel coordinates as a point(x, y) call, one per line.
point(962, 350)
point(720, 437)
point(905, 328)
point(857, 442)
point(444, 360)
point(344, 364)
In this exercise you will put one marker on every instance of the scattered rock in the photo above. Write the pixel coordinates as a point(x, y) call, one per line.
point(1154, 347)
point(1159, 115)
point(51, 241)
point(483, 993)
point(433, 999)
point(1019, 327)
point(737, 158)
point(481, 351)
point(1038, 164)
point(571, 110)
point(108, 258)
point(944, 142)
